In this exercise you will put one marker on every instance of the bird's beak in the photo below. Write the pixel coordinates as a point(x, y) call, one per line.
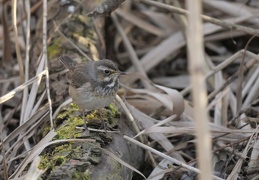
point(122, 73)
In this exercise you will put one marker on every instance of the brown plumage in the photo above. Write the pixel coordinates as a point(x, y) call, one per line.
point(93, 84)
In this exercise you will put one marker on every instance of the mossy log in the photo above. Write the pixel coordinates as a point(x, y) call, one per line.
point(82, 160)
point(88, 160)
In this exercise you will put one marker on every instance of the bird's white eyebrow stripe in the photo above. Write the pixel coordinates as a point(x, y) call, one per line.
point(104, 68)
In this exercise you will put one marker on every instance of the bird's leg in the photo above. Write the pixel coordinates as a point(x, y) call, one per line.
point(85, 126)
point(84, 115)
point(86, 131)
point(103, 125)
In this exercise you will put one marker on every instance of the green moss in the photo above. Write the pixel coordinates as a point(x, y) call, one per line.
point(66, 122)
point(68, 129)
point(57, 157)
point(46, 130)
point(73, 120)
point(81, 175)
point(114, 113)
point(44, 163)
point(54, 49)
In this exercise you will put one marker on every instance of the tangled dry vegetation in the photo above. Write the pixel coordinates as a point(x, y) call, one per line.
point(147, 39)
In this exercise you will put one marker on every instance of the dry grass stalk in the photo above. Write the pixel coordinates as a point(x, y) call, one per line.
point(206, 18)
point(196, 68)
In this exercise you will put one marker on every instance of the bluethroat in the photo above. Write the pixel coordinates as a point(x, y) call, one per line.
point(93, 84)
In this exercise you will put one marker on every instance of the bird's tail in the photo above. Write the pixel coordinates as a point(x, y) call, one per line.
point(68, 62)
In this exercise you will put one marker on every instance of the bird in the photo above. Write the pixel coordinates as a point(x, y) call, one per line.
point(92, 84)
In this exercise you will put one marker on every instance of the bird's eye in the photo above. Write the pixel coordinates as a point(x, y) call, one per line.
point(107, 72)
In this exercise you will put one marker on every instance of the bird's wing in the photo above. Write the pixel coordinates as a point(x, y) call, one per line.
point(68, 62)
point(78, 76)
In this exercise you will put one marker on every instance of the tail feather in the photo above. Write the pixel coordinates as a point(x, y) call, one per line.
point(68, 62)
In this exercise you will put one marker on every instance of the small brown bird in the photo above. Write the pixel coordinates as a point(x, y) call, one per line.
point(92, 85)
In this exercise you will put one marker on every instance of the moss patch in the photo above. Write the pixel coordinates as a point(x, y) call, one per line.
point(73, 119)
point(56, 157)
point(54, 49)
point(73, 155)
point(81, 175)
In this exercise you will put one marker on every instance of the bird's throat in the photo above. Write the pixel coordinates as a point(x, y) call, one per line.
point(108, 88)
point(111, 83)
